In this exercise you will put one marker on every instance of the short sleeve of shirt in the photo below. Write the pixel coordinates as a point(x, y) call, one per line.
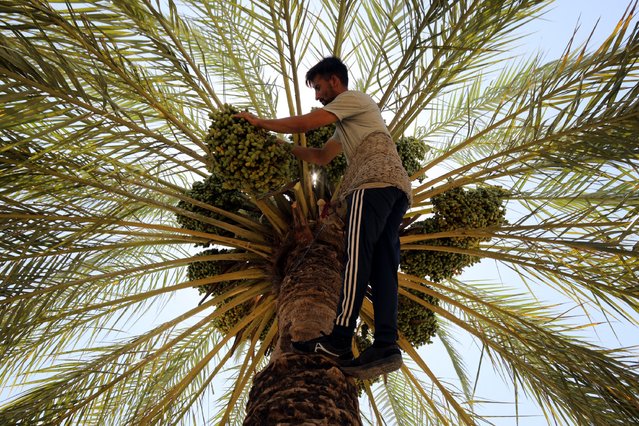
point(348, 104)
point(358, 116)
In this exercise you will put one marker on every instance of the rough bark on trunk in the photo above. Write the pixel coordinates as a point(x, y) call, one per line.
point(296, 389)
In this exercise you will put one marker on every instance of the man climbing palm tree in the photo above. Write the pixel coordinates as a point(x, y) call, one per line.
point(377, 192)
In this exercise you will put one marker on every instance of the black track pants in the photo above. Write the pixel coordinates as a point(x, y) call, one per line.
point(372, 257)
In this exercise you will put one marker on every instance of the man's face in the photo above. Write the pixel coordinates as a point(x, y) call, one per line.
point(324, 90)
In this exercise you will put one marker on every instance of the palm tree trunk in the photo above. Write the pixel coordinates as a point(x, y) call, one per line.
point(306, 389)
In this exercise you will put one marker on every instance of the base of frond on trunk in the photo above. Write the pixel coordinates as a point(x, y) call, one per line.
point(302, 389)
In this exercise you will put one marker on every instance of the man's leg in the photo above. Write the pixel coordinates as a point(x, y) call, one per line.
point(384, 275)
point(367, 211)
point(384, 356)
point(367, 215)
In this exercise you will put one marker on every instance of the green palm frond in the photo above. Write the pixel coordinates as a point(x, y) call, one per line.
point(548, 350)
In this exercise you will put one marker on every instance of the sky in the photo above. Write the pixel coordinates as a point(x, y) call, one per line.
point(552, 32)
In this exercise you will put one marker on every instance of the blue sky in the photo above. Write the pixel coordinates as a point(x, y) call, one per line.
point(552, 32)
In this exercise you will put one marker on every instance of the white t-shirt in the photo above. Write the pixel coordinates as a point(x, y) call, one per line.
point(358, 116)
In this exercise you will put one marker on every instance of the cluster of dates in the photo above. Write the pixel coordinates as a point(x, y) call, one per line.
point(455, 209)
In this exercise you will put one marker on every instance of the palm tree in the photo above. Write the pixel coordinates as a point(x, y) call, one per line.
point(104, 120)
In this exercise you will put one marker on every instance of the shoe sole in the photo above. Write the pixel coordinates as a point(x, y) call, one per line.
point(376, 368)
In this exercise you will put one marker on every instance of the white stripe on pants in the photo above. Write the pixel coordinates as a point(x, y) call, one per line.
point(350, 274)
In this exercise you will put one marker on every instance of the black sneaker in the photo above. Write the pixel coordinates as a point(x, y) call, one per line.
point(325, 345)
point(374, 362)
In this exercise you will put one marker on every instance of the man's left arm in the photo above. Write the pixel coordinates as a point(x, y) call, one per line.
point(295, 124)
point(321, 156)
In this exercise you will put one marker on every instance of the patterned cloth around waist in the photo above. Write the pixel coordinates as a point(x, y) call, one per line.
point(375, 161)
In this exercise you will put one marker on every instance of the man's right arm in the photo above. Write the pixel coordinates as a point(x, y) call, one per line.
point(321, 156)
point(294, 124)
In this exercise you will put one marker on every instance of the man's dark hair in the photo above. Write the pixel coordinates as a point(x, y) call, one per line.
point(326, 68)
